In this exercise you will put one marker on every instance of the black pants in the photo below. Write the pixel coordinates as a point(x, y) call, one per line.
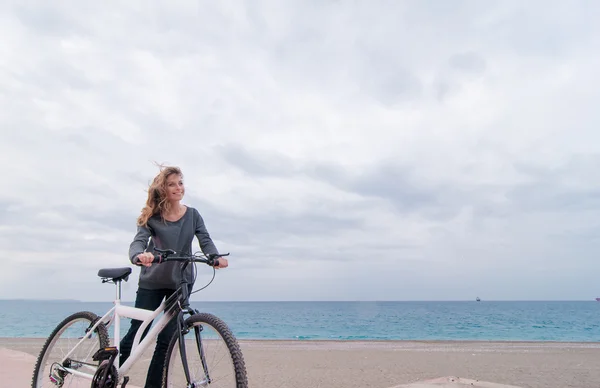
point(150, 300)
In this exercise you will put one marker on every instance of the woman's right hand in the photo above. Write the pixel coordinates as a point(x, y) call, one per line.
point(145, 259)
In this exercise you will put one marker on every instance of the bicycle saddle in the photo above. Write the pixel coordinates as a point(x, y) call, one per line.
point(116, 274)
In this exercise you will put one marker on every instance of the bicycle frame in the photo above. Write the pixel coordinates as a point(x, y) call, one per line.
point(119, 311)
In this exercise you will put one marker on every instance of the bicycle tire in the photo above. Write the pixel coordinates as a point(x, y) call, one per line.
point(87, 315)
point(229, 338)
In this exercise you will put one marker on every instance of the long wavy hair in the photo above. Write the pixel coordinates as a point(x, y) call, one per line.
point(157, 195)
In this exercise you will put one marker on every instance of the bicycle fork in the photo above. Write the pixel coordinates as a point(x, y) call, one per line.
point(182, 330)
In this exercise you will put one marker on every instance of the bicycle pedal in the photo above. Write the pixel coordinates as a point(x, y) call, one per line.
point(105, 353)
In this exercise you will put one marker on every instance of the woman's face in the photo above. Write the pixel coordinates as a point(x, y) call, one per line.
point(175, 188)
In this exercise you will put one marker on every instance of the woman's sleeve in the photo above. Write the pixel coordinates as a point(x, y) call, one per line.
point(206, 243)
point(139, 243)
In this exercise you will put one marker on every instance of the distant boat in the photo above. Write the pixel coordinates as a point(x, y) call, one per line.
point(479, 300)
point(597, 299)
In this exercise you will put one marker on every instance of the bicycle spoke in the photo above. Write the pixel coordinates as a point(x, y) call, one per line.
point(66, 341)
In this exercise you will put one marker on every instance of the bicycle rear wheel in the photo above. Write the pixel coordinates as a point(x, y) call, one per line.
point(49, 368)
point(213, 356)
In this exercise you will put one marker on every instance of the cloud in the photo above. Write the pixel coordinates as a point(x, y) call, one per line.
point(468, 62)
point(414, 150)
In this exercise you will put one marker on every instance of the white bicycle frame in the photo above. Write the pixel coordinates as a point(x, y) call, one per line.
point(114, 315)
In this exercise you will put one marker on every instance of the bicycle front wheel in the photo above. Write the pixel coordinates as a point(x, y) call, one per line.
point(213, 356)
point(66, 357)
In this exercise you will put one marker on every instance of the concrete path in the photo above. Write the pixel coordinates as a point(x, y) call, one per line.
point(17, 367)
point(454, 382)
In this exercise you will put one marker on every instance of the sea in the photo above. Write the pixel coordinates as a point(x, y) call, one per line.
point(562, 321)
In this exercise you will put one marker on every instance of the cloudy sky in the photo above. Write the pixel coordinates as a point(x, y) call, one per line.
point(406, 150)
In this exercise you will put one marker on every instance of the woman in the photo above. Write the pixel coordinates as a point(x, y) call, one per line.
point(164, 223)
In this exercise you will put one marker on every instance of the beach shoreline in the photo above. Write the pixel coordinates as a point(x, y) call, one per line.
point(384, 364)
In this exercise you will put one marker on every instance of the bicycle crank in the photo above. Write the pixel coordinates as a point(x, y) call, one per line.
point(106, 375)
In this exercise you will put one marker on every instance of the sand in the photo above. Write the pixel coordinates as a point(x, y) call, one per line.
point(332, 364)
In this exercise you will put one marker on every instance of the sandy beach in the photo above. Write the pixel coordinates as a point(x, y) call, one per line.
point(333, 364)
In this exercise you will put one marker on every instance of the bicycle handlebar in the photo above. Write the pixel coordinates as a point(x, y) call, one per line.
point(164, 255)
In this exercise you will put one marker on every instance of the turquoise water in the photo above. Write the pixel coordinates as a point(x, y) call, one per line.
point(526, 321)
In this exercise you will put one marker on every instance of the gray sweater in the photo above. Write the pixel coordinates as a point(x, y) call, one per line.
point(178, 236)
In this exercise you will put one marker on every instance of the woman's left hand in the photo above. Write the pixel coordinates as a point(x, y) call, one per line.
point(223, 263)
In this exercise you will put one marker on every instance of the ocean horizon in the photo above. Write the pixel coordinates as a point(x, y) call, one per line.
point(311, 301)
point(467, 320)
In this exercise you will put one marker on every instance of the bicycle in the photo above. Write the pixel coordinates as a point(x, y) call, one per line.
point(104, 371)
